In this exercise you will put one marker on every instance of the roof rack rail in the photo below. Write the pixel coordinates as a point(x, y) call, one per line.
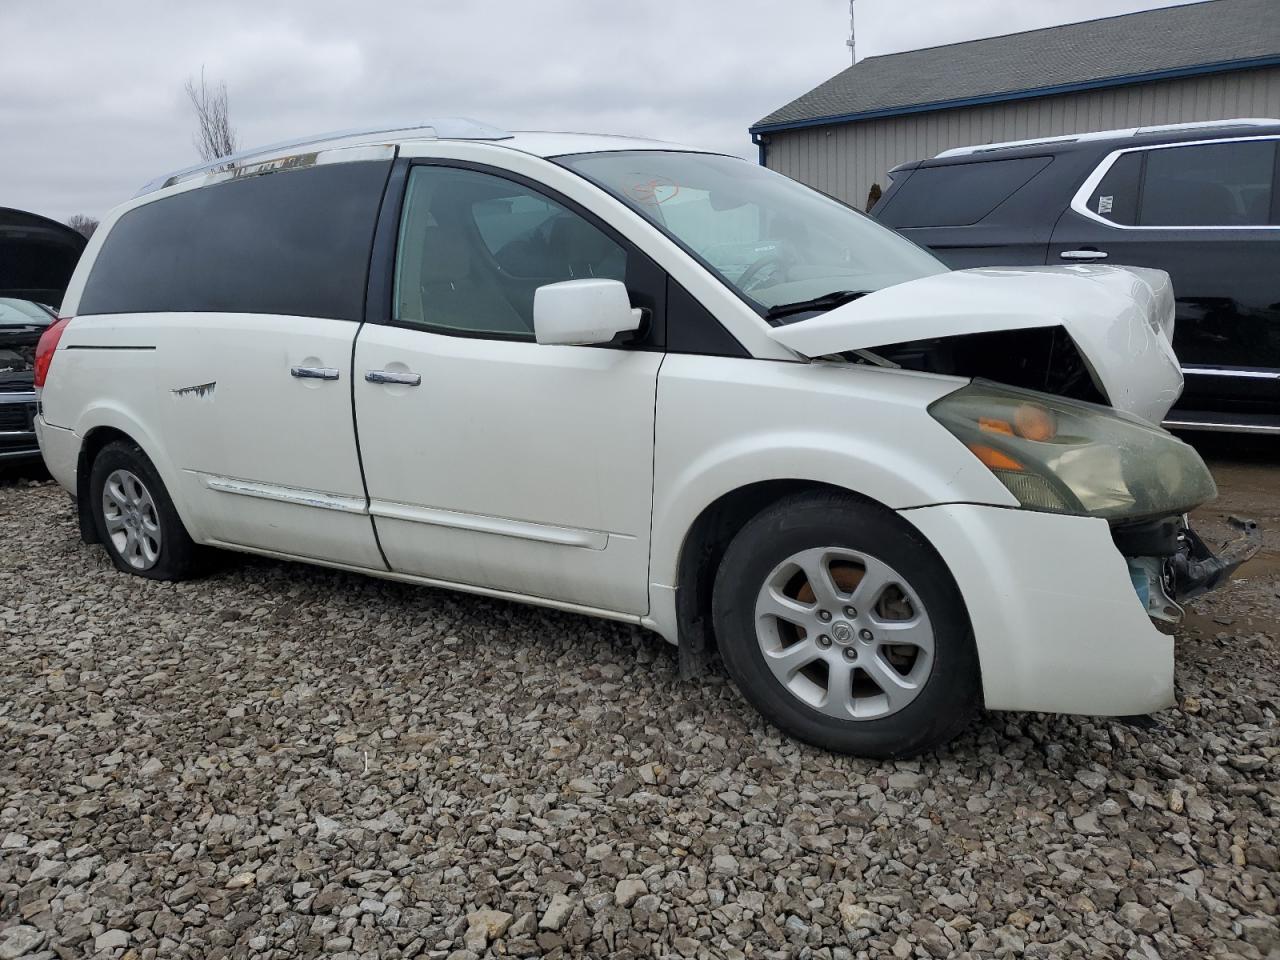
point(442, 128)
point(1208, 125)
point(1110, 135)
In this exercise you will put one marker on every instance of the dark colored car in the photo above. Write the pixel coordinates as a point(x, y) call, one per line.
point(1201, 201)
point(37, 256)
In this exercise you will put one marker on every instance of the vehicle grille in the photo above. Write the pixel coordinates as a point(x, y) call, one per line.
point(17, 416)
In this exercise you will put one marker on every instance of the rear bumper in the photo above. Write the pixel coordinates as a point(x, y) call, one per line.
point(1057, 622)
point(61, 451)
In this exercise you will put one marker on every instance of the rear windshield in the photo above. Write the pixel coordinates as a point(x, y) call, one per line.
point(294, 243)
point(958, 194)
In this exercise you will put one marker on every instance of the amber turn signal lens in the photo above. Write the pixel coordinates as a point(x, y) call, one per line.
point(993, 458)
point(992, 425)
point(1034, 422)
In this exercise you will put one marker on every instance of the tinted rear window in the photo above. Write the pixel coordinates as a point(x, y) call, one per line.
point(958, 194)
point(294, 243)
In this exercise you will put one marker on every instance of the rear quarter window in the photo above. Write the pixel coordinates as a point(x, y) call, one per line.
point(958, 194)
point(1116, 196)
point(294, 243)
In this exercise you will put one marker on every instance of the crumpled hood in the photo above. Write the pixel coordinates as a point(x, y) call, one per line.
point(1120, 318)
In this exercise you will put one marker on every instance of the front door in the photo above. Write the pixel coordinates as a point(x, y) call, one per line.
point(492, 460)
point(1206, 213)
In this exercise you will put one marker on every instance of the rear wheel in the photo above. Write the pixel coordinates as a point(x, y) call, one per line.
point(842, 626)
point(135, 517)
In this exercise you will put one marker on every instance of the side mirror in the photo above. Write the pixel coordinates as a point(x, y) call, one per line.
point(583, 312)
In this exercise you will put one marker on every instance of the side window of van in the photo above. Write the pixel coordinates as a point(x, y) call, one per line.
point(474, 247)
point(292, 242)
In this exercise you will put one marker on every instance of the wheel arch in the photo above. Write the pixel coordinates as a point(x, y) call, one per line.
point(707, 538)
point(94, 441)
point(702, 549)
point(100, 426)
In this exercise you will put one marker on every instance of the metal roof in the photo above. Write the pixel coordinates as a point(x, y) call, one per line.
point(1206, 37)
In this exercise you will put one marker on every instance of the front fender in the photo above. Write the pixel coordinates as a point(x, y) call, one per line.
point(725, 424)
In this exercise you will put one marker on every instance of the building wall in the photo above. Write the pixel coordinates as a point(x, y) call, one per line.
point(845, 159)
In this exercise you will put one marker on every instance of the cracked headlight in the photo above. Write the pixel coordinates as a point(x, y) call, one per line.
point(1066, 456)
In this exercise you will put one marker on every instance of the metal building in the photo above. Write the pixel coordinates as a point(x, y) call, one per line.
point(1212, 60)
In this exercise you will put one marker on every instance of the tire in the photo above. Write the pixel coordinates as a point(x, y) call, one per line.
point(828, 682)
point(135, 518)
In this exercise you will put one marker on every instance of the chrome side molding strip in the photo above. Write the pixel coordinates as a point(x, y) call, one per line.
point(1214, 427)
point(1232, 372)
point(283, 494)
point(499, 526)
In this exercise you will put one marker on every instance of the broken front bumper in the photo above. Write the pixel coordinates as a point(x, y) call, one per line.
point(1170, 564)
point(1052, 607)
point(1054, 616)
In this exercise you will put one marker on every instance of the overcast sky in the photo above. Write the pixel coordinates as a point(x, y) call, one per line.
point(92, 105)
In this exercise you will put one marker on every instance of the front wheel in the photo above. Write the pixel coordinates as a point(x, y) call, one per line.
point(842, 626)
point(136, 519)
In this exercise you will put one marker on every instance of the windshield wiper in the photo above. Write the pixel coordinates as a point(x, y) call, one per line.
point(828, 301)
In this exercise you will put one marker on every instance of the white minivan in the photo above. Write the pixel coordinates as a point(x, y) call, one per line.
point(650, 383)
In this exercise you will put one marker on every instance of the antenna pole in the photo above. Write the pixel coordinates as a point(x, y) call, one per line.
point(853, 54)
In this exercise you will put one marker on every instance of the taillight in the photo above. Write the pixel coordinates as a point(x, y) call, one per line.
point(45, 347)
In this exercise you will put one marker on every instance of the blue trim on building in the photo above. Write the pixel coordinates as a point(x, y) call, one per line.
point(1174, 73)
point(762, 147)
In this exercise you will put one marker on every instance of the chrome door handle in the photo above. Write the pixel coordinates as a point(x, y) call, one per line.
point(387, 376)
point(1083, 255)
point(314, 373)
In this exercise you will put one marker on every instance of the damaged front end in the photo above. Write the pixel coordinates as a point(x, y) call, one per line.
point(1057, 455)
point(1093, 333)
point(1070, 369)
point(1171, 564)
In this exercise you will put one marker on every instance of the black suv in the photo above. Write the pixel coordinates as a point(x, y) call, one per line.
point(1201, 201)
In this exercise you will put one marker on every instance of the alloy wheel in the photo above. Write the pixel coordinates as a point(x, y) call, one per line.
point(845, 633)
point(132, 522)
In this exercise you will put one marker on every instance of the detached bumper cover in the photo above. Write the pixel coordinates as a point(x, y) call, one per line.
point(1055, 617)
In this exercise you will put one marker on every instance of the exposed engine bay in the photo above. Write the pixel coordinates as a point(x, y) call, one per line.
point(1041, 358)
point(17, 359)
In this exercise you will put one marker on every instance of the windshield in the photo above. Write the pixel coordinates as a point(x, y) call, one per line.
point(772, 239)
point(15, 312)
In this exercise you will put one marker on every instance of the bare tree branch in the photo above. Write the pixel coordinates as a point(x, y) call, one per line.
point(873, 196)
point(215, 137)
point(82, 224)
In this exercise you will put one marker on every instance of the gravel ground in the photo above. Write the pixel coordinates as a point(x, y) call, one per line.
point(284, 761)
